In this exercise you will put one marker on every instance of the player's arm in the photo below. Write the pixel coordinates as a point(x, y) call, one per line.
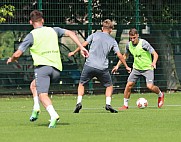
point(125, 56)
point(15, 56)
point(73, 52)
point(84, 44)
point(119, 63)
point(122, 60)
point(72, 35)
point(155, 58)
point(27, 42)
point(151, 50)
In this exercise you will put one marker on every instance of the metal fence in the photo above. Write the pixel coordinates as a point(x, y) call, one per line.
point(159, 22)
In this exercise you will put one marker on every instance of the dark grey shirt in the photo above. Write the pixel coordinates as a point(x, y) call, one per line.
point(28, 40)
point(101, 44)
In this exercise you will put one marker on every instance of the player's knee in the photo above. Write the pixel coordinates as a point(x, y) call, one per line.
point(129, 85)
point(32, 85)
point(150, 86)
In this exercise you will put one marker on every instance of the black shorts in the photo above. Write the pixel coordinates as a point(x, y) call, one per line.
point(102, 75)
point(43, 76)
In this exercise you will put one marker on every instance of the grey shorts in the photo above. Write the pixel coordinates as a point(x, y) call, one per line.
point(43, 76)
point(102, 75)
point(148, 74)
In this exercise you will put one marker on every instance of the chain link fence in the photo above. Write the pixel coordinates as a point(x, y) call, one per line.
point(159, 22)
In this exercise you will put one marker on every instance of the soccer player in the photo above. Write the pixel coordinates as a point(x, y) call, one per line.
point(143, 65)
point(96, 64)
point(44, 48)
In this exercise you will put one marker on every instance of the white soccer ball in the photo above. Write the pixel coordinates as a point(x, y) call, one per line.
point(142, 103)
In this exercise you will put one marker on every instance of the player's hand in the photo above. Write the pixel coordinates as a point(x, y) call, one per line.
point(128, 69)
point(84, 53)
point(10, 60)
point(70, 54)
point(114, 70)
point(153, 65)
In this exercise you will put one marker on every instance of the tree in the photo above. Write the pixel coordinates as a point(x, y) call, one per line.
point(6, 11)
point(162, 17)
point(163, 21)
point(6, 47)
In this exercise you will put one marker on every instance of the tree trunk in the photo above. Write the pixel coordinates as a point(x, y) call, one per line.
point(167, 63)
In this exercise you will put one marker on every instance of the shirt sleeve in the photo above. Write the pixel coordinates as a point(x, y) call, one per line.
point(27, 42)
point(127, 48)
point(146, 46)
point(89, 38)
point(115, 47)
point(60, 32)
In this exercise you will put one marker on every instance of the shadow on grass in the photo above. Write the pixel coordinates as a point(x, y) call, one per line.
point(61, 124)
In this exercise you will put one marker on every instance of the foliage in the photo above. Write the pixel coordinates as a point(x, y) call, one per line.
point(163, 18)
point(6, 44)
point(164, 15)
point(6, 11)
point(121, 11)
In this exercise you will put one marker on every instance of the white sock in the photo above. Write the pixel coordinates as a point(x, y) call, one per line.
point(52, 112)
point(160, 94)
point(108, 100)
point(36, 103)
point(126, 102)
point(79, 99)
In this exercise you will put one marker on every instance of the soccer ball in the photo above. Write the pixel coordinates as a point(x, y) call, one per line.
point(142, 103)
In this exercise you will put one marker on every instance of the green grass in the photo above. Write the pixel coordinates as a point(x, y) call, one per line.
point(93, 123)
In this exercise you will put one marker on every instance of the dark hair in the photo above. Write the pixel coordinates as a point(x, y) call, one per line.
point(107, 24)
point(133, 32)
point(36, 16)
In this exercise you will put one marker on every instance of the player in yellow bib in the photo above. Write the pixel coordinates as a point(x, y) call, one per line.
point(143, 65)
point(43, 44)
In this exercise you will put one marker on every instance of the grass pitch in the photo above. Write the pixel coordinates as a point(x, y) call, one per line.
point(93, 123)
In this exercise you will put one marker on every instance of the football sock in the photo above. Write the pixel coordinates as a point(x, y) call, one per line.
point(160, 94)
point(108, 100)
point(79, 99)
point(52, 112)
point(126, 102)
point(36, 103)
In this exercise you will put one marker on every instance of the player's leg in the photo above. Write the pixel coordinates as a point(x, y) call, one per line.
point(105, 78)
point(36, 106)
point(78, 106)
point(149, 75)
point(86, 75)
point(127, 94)
point(47, 103)
point(43, 76)
point(133, 77)
point(108, 94)
point(80, 92)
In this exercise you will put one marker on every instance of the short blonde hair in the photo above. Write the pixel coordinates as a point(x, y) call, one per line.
point(107, 24)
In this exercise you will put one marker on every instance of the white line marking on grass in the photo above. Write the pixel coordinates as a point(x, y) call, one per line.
point(173, 105)
point(84, 108)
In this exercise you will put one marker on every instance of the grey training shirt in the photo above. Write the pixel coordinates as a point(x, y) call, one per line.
point(101, 44)
point(28, 40)
point(145, 45)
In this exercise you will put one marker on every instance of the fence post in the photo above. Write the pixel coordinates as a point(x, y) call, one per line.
point(137, 15)
point(40, 5)
point(89, 33)
point(138, 28)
